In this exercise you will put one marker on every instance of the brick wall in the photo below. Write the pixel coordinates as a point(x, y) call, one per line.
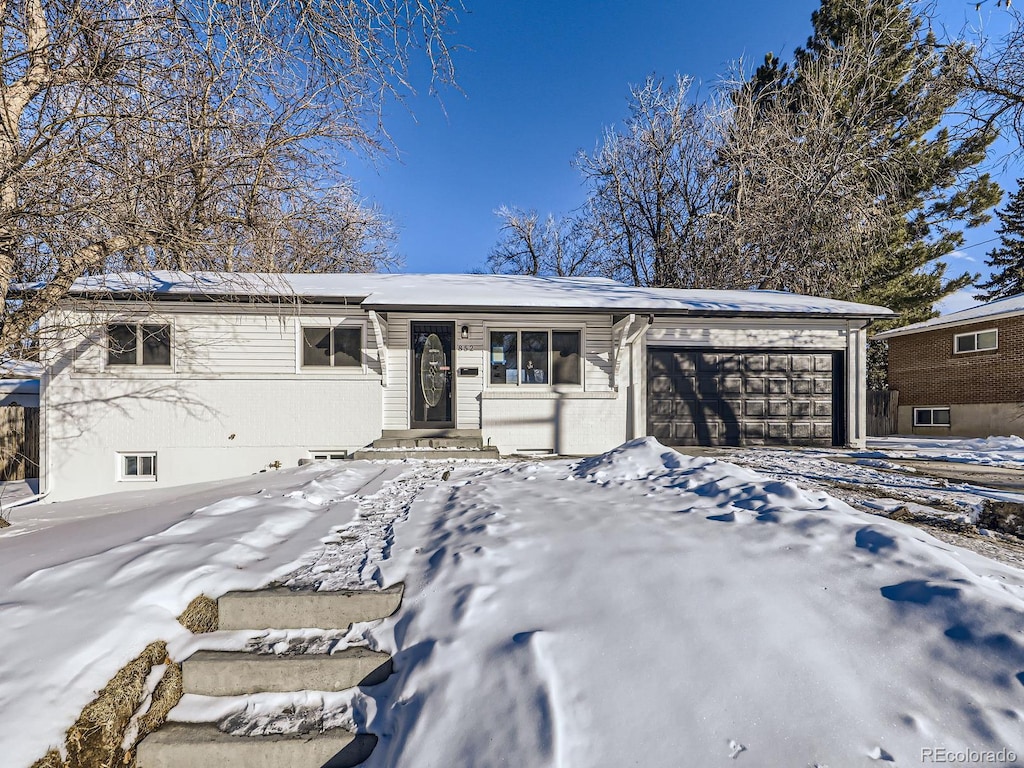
point(924, 369)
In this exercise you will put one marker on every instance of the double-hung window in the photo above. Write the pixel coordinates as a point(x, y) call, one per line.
point(338, 347)
point(534, 357)
point(138, 344)
point(978, 341)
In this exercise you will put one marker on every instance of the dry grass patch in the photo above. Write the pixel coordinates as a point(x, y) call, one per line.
point(96, 739)
point(200, 615)
point(51, 759)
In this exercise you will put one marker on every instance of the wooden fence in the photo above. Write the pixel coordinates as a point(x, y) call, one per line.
point(19, 442)
point(883, 409)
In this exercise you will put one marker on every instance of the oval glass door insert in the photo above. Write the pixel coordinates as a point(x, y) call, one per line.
point(433, 370)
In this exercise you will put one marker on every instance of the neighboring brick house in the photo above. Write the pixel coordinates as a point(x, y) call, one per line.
point(961, 374)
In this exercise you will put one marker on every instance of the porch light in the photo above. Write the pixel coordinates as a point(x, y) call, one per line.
point(465, 331)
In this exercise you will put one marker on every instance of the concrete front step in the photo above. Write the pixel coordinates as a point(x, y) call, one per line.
point(222, 673)
point(179, 745)
point(428, 442)
point(283, 608)
point(419, 433)
point(370, 454)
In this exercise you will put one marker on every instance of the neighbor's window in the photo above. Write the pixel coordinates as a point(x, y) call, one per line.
point(137, 466)
point(138, 344)
point(931, 417)
point(535, 357)
point(978, 341)
point(340, 346)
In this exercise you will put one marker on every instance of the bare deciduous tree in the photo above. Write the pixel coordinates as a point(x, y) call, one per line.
point(196, 134)
point(529, 246)
point(996, 75)
point(652, 184)
point(805, 203)
point(652, 187)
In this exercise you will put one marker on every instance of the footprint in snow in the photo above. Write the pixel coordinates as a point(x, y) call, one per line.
point(726, 517)
point(735, 747)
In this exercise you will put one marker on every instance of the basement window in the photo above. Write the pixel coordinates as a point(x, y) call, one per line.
point(137, 466)
point(328, 455)
point(978, 341)
point(931, 417)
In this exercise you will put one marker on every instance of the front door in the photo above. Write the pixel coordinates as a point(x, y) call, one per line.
point(432, 381)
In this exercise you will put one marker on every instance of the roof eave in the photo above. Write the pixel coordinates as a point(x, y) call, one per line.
point(938, 326)
point(125, 296)
point(619, 310)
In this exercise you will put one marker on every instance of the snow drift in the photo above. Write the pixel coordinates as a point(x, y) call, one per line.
point(648, 608)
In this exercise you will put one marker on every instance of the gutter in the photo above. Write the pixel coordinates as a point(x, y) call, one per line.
point(660, 311)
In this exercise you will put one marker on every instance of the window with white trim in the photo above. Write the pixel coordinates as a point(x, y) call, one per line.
point(532, 357)
point(931, 417)
point(339, 346)
point(328, 455)
point(138, 344)
point(978, 341)
point(136, 466)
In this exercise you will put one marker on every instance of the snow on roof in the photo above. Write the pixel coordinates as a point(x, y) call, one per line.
point(393, 291)
point(993, 310)
point(20, 369)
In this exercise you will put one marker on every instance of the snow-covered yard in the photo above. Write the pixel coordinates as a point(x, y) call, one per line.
point(638, 608)
point(991, 451)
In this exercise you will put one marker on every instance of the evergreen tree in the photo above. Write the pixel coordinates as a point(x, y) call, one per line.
point(896, 102)
point(1007, 261)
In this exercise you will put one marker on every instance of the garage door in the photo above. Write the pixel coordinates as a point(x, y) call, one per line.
point(744, 397)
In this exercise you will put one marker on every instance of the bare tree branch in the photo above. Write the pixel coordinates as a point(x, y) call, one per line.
point(195, 134)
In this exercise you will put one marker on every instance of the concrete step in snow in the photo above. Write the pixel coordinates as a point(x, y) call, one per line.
point(179, 745)
point(221, 673)
point(283, 608)
point(374, 454)
point(439, 432)
point(428, 442)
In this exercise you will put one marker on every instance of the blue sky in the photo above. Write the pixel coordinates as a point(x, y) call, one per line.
point(540, 80)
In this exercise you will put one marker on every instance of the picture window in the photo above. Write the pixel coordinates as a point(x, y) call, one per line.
point(531, 358)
